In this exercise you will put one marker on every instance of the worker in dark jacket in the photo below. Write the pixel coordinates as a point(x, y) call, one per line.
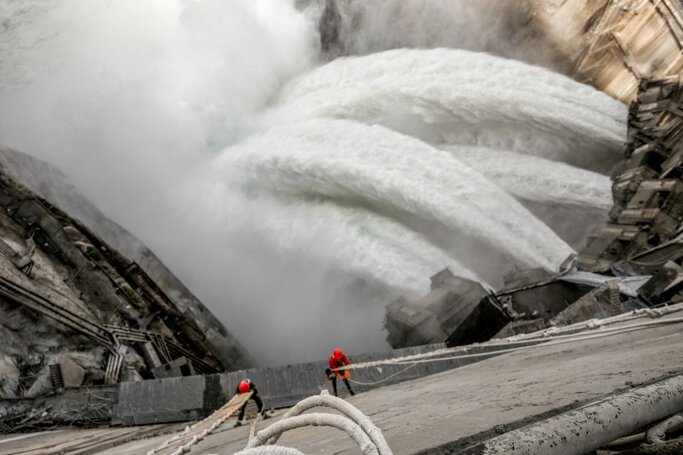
point(337, 360)
point(247, 386)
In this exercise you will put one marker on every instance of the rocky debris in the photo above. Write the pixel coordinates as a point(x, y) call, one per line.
point(85, 406)
point(104, 288)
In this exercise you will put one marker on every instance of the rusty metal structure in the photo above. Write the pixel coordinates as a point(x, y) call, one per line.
point(644, 234)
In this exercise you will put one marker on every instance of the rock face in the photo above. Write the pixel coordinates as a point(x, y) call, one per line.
point(74, 310)
point(613, 45)
point(9, 377)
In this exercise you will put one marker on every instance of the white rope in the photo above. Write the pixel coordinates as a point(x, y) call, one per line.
point(582, 337)
point(183, 442)
point(546, 337)
point(316, 419)
point(380, 381)
point(348, 410)
point(359, 426)
point(269, 450)
point(545, 341)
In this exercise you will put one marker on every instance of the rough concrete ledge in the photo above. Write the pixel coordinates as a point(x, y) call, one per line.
point(579, 428)
point(286, 385)
point(189, 398)
point(160, 401)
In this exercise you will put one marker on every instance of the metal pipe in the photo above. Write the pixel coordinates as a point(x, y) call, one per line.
point(592, 426)
point(657, 434)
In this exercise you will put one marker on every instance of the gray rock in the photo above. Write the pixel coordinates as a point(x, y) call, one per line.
point(9, 377)
point(41, 385)
point(72, 373)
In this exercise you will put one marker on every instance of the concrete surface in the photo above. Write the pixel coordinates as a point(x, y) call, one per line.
point(477, 401)
point(187, 398)
point(81, 442)
point(160, 400)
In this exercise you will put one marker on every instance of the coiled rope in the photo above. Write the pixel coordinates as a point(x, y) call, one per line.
point(359, 426)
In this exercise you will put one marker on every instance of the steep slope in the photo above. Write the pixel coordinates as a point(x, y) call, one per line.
point(68, 297)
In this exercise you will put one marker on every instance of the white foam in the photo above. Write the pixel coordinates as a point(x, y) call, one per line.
point(460, 97)
point(539, 180)
point(374, 167)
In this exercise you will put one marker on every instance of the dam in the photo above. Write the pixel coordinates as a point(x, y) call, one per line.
point(278, 173)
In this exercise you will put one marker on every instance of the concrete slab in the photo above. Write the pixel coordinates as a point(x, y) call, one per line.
point(157, 401)
point(72, 373)
point(496, 393)
point(476, 401)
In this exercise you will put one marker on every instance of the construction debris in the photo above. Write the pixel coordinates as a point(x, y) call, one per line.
point(456, 311)
point(644, 232)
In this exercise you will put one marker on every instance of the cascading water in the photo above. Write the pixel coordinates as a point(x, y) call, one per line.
point(459, 97)
point(296, 198)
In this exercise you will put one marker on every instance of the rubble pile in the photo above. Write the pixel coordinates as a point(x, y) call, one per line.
point(634, 261)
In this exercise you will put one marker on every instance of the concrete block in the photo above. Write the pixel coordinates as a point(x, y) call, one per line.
point(174, 368)
point(72, 373)
point(190, 398)
point(150, 355)
point(160, 400)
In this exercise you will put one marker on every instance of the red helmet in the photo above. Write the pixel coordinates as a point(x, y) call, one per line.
point(244, 386)
point(338, 354)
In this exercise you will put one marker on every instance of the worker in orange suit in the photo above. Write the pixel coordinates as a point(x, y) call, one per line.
point(338, 360)
point(247, 386)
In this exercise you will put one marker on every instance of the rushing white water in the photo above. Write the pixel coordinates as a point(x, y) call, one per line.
point(374, 167)
point(530, 178)
point(459, 97)
point(295, 198)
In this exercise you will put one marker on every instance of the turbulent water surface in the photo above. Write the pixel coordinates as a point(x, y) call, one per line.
point(295, 196)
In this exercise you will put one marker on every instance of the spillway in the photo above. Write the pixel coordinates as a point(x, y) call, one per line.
point(288, 191)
